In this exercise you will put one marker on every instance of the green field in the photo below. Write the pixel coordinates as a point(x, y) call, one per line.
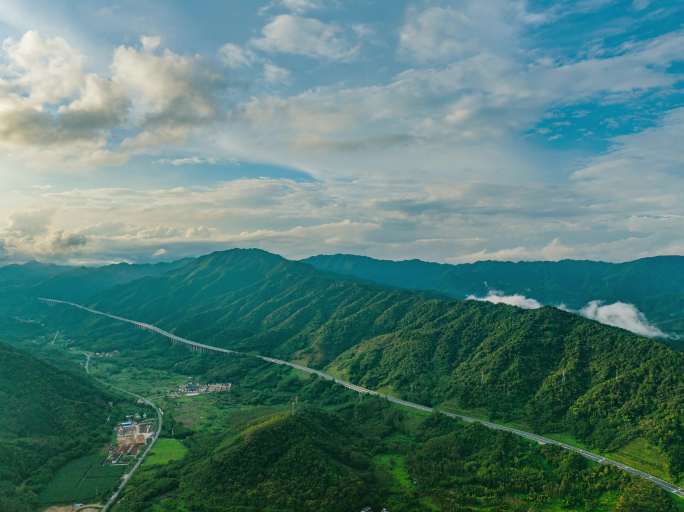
point(640, 454)
point(209, 414)
point(165, 451)
point(82, 480)
point(395, 465)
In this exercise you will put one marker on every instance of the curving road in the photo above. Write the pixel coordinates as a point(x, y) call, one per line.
point(668, 486)
point(125, 479)
point(115, 496)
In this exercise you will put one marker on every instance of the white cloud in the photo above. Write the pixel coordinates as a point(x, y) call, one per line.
point(302, 6)
point(439, 33)
point(169, 85)
point(305, 36)
point(429, 163)
point(497, 297)
point(160, 252)
point(555, 250)
point(620, 314)
point(235, 56)
point(54, 114)
point(47, 69)
point(150, 43)
point(191, 160)
point(275, 74)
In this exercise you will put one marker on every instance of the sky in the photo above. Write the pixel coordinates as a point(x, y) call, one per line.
point(449, 131)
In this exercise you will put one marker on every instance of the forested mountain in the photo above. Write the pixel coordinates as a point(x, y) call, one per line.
point(47, 417)
point(554, 370)
point(654, 285)
point(369, 454)
point(35, 278)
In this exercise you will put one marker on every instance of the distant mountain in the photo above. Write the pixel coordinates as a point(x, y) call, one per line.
point(47, 417)
point(556, 371)
point(21, 284)
point(654, 285)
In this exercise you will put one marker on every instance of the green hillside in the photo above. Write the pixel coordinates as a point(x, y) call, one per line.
point(553, 370)
point(654, 285)
point(372, 455)
point(21, 284)
point(48, 416)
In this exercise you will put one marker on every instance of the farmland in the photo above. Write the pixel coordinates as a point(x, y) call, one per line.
point(84, 479)
point(165, 451)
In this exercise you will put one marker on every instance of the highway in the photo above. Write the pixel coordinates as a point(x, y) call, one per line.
point(668, 486)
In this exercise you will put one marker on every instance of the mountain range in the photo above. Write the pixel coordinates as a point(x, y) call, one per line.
point(655, 286)
point(553, 370)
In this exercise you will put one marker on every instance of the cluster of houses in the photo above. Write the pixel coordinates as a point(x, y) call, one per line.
point(191, 389)
point(131, 438)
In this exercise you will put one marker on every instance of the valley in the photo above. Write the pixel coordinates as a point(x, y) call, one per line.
point(289, 340)
point(595, 457)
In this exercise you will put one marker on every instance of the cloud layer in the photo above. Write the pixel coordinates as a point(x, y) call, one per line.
point(435, 130)
point(620, 314)
point(497, 297)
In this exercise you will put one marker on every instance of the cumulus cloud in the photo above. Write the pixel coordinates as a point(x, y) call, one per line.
point(235, 56)
point(275, 74)
point(46, 69)
point(310, 37)
point(497, 297)
point(150, 43)
point(55, 113)
point(623, 315)
point(166, 85)
point(429, 163)
point(67, 241)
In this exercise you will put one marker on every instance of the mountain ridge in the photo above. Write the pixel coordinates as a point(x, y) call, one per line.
point(544, 366)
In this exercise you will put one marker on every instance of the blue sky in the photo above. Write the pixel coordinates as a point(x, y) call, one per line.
point(444, 130)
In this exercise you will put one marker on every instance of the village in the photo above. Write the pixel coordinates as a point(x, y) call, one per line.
point(132, 436)
point(193, 389)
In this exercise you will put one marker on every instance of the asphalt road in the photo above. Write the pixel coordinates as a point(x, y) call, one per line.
point(668, 486)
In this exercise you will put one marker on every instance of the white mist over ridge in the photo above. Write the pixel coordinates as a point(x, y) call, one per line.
point(623, 315)
point(497, 297)
point(618, 314)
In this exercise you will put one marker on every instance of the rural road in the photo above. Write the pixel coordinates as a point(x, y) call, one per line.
point(112, 499)
point(668, 486)
point(124, 480)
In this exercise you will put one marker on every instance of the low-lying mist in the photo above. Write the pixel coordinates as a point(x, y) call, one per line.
point(618, 314)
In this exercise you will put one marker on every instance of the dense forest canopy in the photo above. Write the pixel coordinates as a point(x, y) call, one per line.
point(654, 285)
point(48, 416)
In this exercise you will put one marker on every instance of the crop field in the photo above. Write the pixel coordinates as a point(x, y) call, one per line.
point(82, 480)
